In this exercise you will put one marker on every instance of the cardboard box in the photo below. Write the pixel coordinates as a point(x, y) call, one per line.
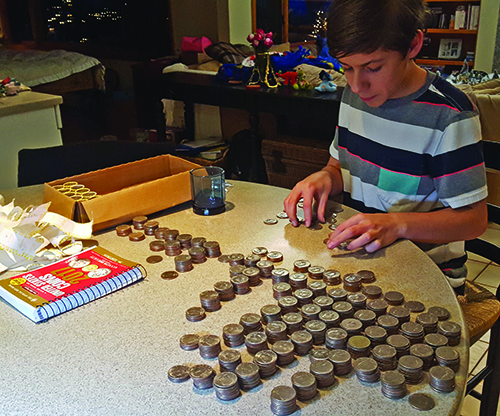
point(125, 191)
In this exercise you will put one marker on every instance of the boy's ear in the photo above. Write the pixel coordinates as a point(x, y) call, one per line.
point(416, 45)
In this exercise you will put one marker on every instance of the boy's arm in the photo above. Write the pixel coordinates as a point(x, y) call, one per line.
point(318, 186)
point(374, 231)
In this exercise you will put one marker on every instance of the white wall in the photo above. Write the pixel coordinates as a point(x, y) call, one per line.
point(487, 34)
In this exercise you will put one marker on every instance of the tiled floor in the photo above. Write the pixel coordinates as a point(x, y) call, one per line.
point(488, 274)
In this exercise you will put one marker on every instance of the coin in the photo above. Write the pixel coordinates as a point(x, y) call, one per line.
point(415, 306)
point(137, 236)
point(271, 221)
point(189, 342)
point(441, 313)
point(123, 230)
point(421, 401)
point(178, 373)
point(170, 275)
point(282, 215)
point(260, 251)
point(195, 314)
point(154, 259)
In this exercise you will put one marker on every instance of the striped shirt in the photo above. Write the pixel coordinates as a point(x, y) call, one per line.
point(418, 153)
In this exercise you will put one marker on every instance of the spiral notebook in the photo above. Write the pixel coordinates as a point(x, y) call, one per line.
point(71, 282)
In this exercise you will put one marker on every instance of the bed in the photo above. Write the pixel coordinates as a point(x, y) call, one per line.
point(54, 72)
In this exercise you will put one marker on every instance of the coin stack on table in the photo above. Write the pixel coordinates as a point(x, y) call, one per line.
point(226, 386)
point(283, 400)
point(229, 360)
point(267, 361)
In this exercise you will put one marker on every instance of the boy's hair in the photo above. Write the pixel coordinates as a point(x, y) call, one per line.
point(364, 26)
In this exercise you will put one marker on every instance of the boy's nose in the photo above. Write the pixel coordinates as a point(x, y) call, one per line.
point(357, 83)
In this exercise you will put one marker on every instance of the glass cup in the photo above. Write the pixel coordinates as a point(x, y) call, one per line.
point(208, 190)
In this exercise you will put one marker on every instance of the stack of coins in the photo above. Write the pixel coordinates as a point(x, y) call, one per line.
point(251, 260)
point(275, 256)
point(225, 290)
point(172, 248)
point(344, 309)
point(425, 353)
point(341, 360)
point(226, 386)
point(212, 248)
point(293, 321)
point(330, 318)
point(366, 317)
point(255, 342)
point(435, 340)
point(251, 323)
point(394, 298)
point(288, 304)
point(357, 300)
point(415, 306)
point(393, 385)
point(376, 334)
point(429, 321)
point(413, 331)
point(352, 282)
point(386, 357)
point(280, 275)
point(178, 374)
point(318, 287)
point(236, 269)
point(316, 272)
point(195, 314)
point(389, 323)
point(285, 351)
point(317, 329)
point(450, 330)
point(276, 331)
point(160, 233)
point(241, 285)
point(283, 400)
point(202, 375)
point(442, 379)
point(259, 251)
point(441, 313)
point(136, 236)
point(157, 245)
point(270, 313)
point(266, 360)
point(336, 338)
point(236, 258)
point(302, 342)
point(183, 263)
point(358, 346)
point(412, 368)
point(401, 343)
point(448, 357)
point(253, 274)
point(171, 235)
point(123, 230)
point(150, 227)
point(210, 300)
point(338, 294)
point(305, 385)
point(379, 306)
point(317, 354)
point(189, 342)
point(366, 369)
point(304, 296)
point(197, 254)
point(367, 276)
point(281, 289)
point(233, 335)
point(266, 267)
point(209, 346)
point(198, 241)
point(248, 375)
point(372, 292)
point(310, 312)
point(229, 360)
point(301, 266)
point(139, 221)
point(298, 280)
point(400, 312)
point(331, 277)
point(352, 326)
point(322, 370)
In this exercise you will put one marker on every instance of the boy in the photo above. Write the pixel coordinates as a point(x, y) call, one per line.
point(407, 149)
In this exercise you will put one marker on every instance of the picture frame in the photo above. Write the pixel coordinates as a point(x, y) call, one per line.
point(450, 48)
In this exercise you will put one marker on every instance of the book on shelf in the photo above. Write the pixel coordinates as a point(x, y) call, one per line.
point(68, 283)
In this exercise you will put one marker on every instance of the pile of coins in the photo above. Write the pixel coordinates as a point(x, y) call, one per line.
point(229, 360)
point(255, 342)
point(225, 290)
point(283, 400)
point(209, 346)
point(202, 376)
point(76, 191)
point(210, 300)
point(189, 342)
point(248, 375)
point(412, 368)
point(448, 357)
point(226, 386)
point(442, 379)
point(366, 370)
point(233, 335)
point(267, 361)
point(393, 384)
point(302, 342)
point(305, 385)
point(323, 371)
point(178, 374)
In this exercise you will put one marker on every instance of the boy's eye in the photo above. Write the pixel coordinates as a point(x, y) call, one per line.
point(374, 69)
point(347, 68)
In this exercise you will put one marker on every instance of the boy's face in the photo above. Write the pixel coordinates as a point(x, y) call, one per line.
point(378, 76)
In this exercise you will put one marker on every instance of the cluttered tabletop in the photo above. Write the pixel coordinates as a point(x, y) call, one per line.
point(150, 349)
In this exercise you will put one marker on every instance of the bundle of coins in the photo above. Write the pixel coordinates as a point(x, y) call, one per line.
point(266, 360)
point(304, 296)
point(338, 294)
point(253, 274)
point(305, 385)
point(288, 304)
point(229, 360)
point(358, 346)
point(212, 248)
point(136, 236)
point(376, 334)
point(226, 386)
point(317, 329)
point(386, 357)
point(401, 343)
point(281, 289)
point(413, 331)
point(412, 368)
point(195, 314)
point(372, 291)
point(302, 342)
point(389, 323)
point(379, 306)
point(210, 300)
point(233, 335)
point(316, 272)
point(123, 230)
point(157, 245)
point(270, 313)
point(317, 354)
point(293, 321)
point(265, 267)
point(331, 277)
point(185, 240)
point(236, 258)
point(318, 287)
point(172, 248)
point(251, 260)
point(435, 340)
point(322, 370)
point(301, 266)
point(170, 235)
point(393, 385)
point(259, 251)
point(178, 374)
point(197, 254)
point(366, 317)
point(225, 290)
point(352, 326)
point(400, 312)
point(310, 312)
point(366, 370)
point(285, 351)
point(330, 318)
point(450, 330)
point(394, 298)
point(415, 306)
point(341, 360)
point(280, 275)
point(241, 285)
point(76, 191)
point(251, 323)
point(139, 221)
point(298, 280)
point(248, 375)
point(150, 227)
point(442, 379)
point(367, 276)
point(189, 342)
point(448, 357)
point(160, 233)
point(202, 376)
point(352, 282)
point(425, 353)
point(441, 313)
point(209, 346)
point(336, 338)
point(357, 300)
point(275, 256)
point(255, 342)
point(276, 331)
point(198, 241)
point(344, 309)
point(283, 400)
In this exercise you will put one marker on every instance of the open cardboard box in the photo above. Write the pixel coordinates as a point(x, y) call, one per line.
point(125, 191)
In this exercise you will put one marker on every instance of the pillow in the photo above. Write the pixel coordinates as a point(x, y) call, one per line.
point(227, 53)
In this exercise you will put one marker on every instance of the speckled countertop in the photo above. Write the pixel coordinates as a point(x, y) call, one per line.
point(111, 357)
